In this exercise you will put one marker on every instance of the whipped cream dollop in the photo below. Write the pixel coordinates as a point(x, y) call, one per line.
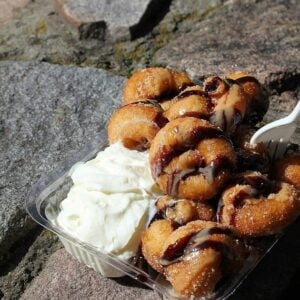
point(111, 201)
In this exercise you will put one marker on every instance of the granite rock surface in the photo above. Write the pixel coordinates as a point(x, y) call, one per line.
point(65, 278)
point(259, 36)
point(114, 19)
point(47, 114)
point(27, 262)
point(9, 9)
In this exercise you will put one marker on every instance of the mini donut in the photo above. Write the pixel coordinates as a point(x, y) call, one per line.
point(154, 83)
point(192, 102)
point(230, 102)
point(256, 206)
point(191, 158)
point(196, 256)
point(287, 169)
point(152, 242)
point(136, 124)
point(180, 81)
point(257, 97)
point(182, 211)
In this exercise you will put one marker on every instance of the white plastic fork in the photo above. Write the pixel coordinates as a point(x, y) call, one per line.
point(276, 135)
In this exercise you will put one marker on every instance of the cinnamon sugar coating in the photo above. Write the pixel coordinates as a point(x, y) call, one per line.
point(136, 124)
point(182, 211)
point(257, 206)
point(154, 83)
point(288, 170)
point(191, 158)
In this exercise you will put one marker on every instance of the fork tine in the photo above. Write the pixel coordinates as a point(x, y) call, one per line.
point(272, 149)
point(281, 149)
point(276, 149)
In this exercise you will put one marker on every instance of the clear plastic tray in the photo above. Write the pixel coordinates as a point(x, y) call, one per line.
point(49, 192)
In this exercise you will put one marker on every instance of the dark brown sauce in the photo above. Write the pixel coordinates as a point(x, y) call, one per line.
point(244, 79)
point(263, 185)
point(215, 245)
point(195, 242)
point(239, 198)
point(145, 102)
point(237, 203)
point(219, 211)
point(166, 154)
point(176, 250)
point(193, 93)
point(212, 85)
point(160, 120)
point(226, 123)
point(210, 172)
point(221, 163)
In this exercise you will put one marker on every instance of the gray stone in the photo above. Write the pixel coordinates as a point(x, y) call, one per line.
point(259, 36)
point(47, 114)
point(40, 34)
point(66, 278)
point(122, 19)
point(9, 8)
point(26, 263)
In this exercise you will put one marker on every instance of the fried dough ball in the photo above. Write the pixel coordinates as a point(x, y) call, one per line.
point(196, 256)
point(152, 242)
point(182, 211)
point(256, 206)
point(192, 102)
point(288, 170)
point(229, 100)
point(257, 98)
point(136, 124)
point(154, 83)
point(191, 158)
point(180, 80)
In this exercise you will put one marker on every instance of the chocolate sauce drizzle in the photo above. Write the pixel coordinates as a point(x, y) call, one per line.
point(244, 79)
point(145, 102)
point(210, 172)
point(166, 153)
point(228, 121)
point(195, 242)
point(189, 93)
point(260, 186)
point(213, 84)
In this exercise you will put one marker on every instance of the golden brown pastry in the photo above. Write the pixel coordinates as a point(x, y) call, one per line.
point(136, 124)
point(192, 102)
point(256, 96)
point(191, 158)
point(229, 100)
point(154, 83)
point(288, 170)
point(182, 211)
point(256, 206)
point(196, 256)
point(152, 242)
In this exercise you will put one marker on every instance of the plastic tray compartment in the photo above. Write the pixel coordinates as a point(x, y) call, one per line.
point(45, 201)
